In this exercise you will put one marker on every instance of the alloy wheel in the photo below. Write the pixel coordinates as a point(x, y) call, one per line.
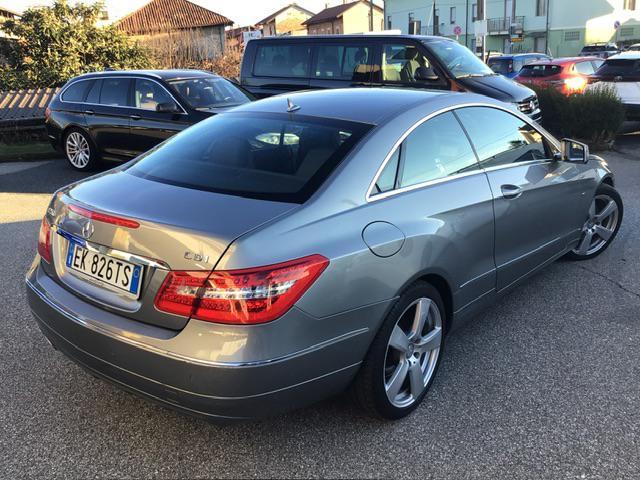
point(599, 227)
point(78, 150)
point(412, 352)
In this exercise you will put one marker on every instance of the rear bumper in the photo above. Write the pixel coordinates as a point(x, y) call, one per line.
point(214, 389)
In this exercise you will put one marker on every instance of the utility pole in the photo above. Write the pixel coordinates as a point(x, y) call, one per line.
point(371, 15)
point(436, 20)
point(546, 34)
point(466, 25)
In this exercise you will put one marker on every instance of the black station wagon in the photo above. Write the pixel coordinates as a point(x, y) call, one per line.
point(117, 115)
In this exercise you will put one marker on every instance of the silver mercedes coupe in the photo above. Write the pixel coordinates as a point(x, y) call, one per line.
point(301, 245)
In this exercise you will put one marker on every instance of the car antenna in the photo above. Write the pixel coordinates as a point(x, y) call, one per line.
point(292, 107)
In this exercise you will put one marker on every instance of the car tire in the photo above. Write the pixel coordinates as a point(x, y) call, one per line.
point(80, 150)
point(602, 225)
point(379, 388)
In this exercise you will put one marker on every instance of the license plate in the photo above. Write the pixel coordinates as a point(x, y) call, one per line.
point(112, 271)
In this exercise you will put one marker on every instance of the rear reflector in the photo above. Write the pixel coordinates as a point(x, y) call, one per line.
point(248, 296)
point(44, 240)
point(103, 217)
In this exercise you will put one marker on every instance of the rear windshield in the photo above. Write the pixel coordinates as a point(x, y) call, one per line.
point(501, 65)
point(619, 67)
point(209, 92)
point(277, 157)
point(598, 48)
point(540, 70)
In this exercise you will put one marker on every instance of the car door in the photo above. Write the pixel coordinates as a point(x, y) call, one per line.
point(341, 65)
point(107, 114)
point(540, 202)
point(149, 126)
point(433, 190)
point(407, 64)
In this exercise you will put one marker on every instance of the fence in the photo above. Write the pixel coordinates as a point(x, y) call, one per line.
point(22, 113)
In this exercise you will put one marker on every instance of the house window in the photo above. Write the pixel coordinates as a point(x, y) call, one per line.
point(104, 15)
point(572, 36)
point(480, 11)
point(626, 32)
point(388, 22)
point(474, 12)
point(452, 15)
point(629, 4)
point(541, 8)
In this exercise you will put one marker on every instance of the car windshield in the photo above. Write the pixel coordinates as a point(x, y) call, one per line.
point(209, 92)
point(501, 65)
point(272, 156)
point(539, 70)
point(620, 67)
point(460, 61)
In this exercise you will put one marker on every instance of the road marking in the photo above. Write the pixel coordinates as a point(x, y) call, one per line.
point(13, 167)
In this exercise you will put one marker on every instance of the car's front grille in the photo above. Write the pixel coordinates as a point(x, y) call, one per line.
point(529, 105)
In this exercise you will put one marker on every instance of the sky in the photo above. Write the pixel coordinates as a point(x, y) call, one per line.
point(243, 12)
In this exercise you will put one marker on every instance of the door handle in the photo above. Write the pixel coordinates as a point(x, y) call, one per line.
point(89, 112)
point(510, 191)
point(134, 117)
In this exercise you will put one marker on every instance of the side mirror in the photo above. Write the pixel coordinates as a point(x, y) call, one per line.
point(423, 74)
point(167, 107)
point(574, 151)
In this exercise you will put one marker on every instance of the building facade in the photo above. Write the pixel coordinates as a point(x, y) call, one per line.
point(286, 21)
point(353, 17)
point(557, 27)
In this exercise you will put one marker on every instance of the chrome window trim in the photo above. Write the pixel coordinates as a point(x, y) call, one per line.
point(372, 197)
point(129, 77)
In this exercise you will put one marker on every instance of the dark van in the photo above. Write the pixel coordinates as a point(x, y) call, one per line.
point(276, 65)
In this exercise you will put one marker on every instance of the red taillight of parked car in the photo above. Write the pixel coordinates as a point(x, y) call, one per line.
point(44, 240)
point(248, 296)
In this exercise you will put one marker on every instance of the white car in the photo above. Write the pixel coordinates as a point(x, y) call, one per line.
point(622, 73)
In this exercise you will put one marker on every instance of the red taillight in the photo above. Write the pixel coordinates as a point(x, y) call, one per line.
point(253, 295)
point(103, 217)
point(44, 240)
point(47, 113)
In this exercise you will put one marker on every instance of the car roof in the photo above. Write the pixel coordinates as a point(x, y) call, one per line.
point(625, 56)
point(159, 74)
point(365, 105)
point(360, 36)
point(564, 61)
point(508, 56)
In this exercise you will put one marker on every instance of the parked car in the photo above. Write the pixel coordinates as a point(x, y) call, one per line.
point(635, 47)
point(568, 75)
point(296, 246)
point(602, 50)
point(277, 65)
point(117, 115)
point(621, 73)
point(510, 65)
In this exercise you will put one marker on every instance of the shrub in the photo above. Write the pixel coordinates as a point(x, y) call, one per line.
point(593, 117)
point(56, 43)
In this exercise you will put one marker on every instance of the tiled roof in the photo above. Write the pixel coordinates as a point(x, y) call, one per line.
point(283, 9)
point(331, 13)
point(25, 104)
point(162, 15)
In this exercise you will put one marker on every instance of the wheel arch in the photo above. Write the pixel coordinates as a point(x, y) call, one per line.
point(608, 180)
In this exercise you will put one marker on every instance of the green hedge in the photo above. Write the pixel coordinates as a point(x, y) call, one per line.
point(593, 117)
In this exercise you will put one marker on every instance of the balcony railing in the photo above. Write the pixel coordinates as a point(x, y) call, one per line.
point(503, 24)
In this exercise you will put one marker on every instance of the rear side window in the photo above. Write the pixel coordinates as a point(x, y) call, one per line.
point(436, 149)
point(76, 91)
point(540, 70)
point(342, 62)
point(509, 140)
point(586, 68)
point(282, 60)
point(115, 92)
point(277, 157)
point(93, 96)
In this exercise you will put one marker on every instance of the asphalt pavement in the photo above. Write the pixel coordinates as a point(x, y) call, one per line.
point(545, 384)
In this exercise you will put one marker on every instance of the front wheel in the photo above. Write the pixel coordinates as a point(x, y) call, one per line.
point(602, 224)
point(404, 356)
point(79, 149)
